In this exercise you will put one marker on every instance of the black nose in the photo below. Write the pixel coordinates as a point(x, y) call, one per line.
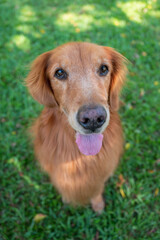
point(91, 116)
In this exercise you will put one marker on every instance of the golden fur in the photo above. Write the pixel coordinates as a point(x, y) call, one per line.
point(78, 178)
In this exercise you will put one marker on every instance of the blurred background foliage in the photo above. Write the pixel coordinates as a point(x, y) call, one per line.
point(29, 28)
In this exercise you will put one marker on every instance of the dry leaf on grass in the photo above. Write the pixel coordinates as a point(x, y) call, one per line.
point(39, 216)
point(156, 83)
point(127, 146)
point(156, 192)
point(122, 193)
point(121, 181)
point(77, 30)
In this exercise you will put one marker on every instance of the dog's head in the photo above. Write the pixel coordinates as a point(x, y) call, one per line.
point(83, 80)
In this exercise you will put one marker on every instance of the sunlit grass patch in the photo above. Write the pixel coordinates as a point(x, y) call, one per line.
point(83, 21)
point(26, 14)
point(133, 9)
point(21, 41)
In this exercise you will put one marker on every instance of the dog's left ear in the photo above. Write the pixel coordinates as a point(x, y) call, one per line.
point(118, 76)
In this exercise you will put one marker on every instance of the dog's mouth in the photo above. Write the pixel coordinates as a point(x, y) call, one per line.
point(89, 144)
point(89, 126)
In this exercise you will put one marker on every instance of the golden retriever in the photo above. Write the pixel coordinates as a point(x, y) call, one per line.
point(78, 137)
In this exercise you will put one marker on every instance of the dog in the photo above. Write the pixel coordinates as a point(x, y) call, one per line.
point(78, 138)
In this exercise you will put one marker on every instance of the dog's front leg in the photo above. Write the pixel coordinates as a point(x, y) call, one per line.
point(98, 204)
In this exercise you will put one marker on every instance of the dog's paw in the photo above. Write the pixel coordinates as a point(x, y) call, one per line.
point(98, 204)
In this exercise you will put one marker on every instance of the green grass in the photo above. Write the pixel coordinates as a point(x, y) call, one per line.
point(29, 28)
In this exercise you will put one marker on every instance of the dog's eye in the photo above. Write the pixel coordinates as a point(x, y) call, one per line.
point(60, 74)
point(103, 70)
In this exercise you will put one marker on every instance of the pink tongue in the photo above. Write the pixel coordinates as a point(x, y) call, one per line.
point(89, 144)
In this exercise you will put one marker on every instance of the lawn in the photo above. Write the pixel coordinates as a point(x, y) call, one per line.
point(132, 195)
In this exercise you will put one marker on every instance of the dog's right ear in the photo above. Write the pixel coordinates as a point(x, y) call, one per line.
point(38, 82)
